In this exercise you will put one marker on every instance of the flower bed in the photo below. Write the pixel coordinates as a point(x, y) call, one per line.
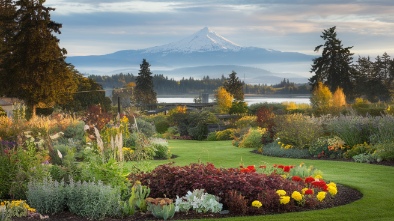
point(246, 190)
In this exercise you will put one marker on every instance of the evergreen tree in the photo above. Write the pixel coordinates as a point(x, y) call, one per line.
point(8, 27)
point(144, 91)
point(36, 71)
point(234, 86)
point(333, 68)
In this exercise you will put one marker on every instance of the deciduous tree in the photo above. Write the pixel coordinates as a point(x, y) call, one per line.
point(321, 98)
point(224, 100)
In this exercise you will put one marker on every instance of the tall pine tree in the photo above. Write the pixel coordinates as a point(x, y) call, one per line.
point(36, 71)
point(144, 91)
point(234, 86)
point(333, 68)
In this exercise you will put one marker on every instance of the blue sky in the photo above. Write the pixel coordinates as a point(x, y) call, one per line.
point(94, 27)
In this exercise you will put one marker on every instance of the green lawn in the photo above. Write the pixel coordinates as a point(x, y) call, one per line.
point(374, 181)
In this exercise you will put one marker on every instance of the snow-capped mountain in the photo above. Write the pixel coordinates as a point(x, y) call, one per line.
point(202, 41)
point(203, 48)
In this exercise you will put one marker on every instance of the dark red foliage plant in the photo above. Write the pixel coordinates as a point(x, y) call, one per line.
point(170, 181)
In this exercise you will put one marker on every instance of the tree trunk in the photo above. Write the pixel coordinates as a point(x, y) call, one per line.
point(33, 111)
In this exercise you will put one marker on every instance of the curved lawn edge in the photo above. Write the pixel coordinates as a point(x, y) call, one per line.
point(375, 182)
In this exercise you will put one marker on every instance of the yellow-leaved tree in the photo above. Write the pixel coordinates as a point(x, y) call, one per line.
point(224, 100)
point(321, 99)
point(338, 98)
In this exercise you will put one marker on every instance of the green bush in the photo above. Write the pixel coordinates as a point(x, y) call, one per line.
point(161, 146)
point(275, 150)
point(227, 134)
point(47, 196)
point(211, 136)
point(357, 149)
point(297, 130)
point(385, 151)
point(382, 129)
point(246, 121)
point(93, 200)
point(162, 126)
point(146, 127)
point(253, 139)
point(352, 129)
point(365, 158)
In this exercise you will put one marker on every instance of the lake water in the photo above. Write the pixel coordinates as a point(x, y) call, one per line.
point(248, 99)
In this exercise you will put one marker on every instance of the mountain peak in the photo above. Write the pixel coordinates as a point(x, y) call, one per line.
point(202, 41)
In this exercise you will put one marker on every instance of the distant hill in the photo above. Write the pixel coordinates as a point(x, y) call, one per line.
point(203, 51)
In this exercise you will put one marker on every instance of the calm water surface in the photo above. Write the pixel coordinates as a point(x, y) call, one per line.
point(248, 99)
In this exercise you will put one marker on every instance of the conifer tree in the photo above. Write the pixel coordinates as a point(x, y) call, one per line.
point(333, 68)
point(35, 70)
point(234, 86)
point(144, 91)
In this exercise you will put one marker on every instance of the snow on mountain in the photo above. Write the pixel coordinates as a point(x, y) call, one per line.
point(204, 40)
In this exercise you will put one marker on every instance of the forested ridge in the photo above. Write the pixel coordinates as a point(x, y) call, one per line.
point(164, 85)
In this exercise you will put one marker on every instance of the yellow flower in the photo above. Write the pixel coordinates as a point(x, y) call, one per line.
point(332, 190)
point(321, 195)
point(284, 199)
point(318, 177)
point(257, 204)
point(296, 196)
point(284, 176)
point(332, 184)
point(281, 192)
point(303, 190)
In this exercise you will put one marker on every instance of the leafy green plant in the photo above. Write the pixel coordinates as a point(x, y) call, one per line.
point(226, 134)
point(93, 200)
point(162, 208)
point(365, 158)
point(297, 130)
point(275, 150)
point(47, 196)
point(161, 146)
point(253, 139)
point(199, 201)
point(352, 129)
point(385, 151)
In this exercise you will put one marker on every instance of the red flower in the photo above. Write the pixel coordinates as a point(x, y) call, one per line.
point(319, 184)
point(248, 169)
point(296, 178)
point(263, 166)
point(309, 192)
point(309, 179)
point(280, 166)
point(286, 169)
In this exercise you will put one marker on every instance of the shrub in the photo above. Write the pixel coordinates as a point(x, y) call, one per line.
point(161, 147)
point(385, 151)
point(162, 208)
point(382, 129)
point(352, 129)
point(359, 149)
point(145, 127)
point(246, 121)
point(275, 150)
point(211, 136)
point(162, 126)
point(297, 130)
point(253, 138)
point(236, 203)
point(93, 200)
point(226, 134)
point(47, 196)
point(364, 158)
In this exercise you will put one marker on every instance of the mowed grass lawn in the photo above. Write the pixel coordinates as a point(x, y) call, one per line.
point(374, 181)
